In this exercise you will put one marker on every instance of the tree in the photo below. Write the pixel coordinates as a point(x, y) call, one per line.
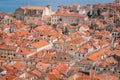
point(98, 12)
point(65, 30)
point(54, 26)
point(32, 26)
point(117, 23)
point(48, 23)
point(89, 14)
point(74, 24)
point(94, 13)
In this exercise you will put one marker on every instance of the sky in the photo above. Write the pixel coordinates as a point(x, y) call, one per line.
point(12, 5)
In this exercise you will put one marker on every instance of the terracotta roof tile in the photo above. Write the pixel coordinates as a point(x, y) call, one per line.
point(7, 47)
point(97, 55)
point(69, 14)
point(25, 51)
point(40, 43)
point(42, 66)
point(19, 65)
point(37, 73)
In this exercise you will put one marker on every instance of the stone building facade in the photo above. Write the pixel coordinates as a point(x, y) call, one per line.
point(32, 13)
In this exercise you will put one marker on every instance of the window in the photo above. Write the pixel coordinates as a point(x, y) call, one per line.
point(23, 56)
point(14, 54)
point(9, 60)
point(65, 58)
point(104, 69)
point(60, 19)
point(83, 55)
point(55, 57)
point(71, 49)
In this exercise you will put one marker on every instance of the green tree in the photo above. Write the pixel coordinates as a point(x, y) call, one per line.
point(54, 26)
point(98, 12)
point(74, 24)
point(89, 14)
point(65, 30)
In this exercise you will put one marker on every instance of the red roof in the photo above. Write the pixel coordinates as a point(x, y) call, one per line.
point(40, 43)
point(69, 14)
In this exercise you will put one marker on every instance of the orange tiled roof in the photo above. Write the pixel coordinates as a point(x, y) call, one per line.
point(21, 33)
point(7, 47)
point(25, 51)
point(40, 43)
point(48, 56)
point(62, 67)
point(41, 53)
point(17, 78)
point(54, 74)
point(97, 55)
point(73, 47)
point(118, 47)
point(18, 24)
point(86, 46)
point(107, 62)
point(69, 14)
point(19, 65)
point(77, 41)
point(8, 67)
point(42, 66)
point(105, 14)
point(36, 72)
point(38, 23)
point(118, 53)
point(85, 26)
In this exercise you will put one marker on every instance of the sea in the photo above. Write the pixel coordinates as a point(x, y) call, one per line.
point(12, 5)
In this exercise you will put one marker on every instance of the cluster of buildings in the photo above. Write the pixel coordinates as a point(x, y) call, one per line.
point(67, 44)
point(33, 13)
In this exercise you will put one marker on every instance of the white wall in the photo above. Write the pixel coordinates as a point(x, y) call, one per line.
point(49, 46)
